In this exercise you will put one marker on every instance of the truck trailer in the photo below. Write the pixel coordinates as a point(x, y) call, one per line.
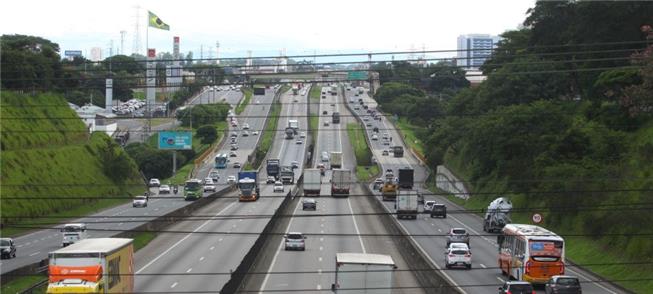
point(340, 182)
point(406, 204)
point(287, 175)
point(398, 151)
point(364, 273)
point(273, 167)
point(96, 265)
point(248, 186)
point(406, 178)
point(336, 159)
point(312, 182)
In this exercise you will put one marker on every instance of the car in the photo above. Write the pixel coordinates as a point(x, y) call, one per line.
point(356, 94)
point(245, 134)
point(231, 179)
point(356, 107)
point(255, 133)
point(458, 254)
point(209, 187)
point(302, 135)
point(208, 181)
point(139, 201)
point(563, 284)
point(295, 164)
point(326, 123)
point(428, 205)
point(299, 141)
point(386, 136)
point(375, 137)
point(333, 104)
point(348, 89)
point(164, 189)
point(7, 248)
point(384, 152)
point(234, 134)
point(234, 141)
point(308, 203)
point(215, 176)
point(278, 187)
point(516, 287)
point(386, 143)
point(245, 126)
point(232, 154)
point(366, 118)
point(388, 171)
point(323, 97)
point(324, 112)
point(258, 102)
point(375, 129)
point(369, 124)
point(237, 164)
point(457, 235)
point(270, 180)
point(154, 182)
point(234, 147)
point(378, 181)
point(295, 241)
point(439, 210)
point(325, 156)
point(321, 167)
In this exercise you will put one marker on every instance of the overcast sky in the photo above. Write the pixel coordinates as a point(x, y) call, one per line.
point(264, 26)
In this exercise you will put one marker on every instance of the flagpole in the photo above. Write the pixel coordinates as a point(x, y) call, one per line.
point(147, 33)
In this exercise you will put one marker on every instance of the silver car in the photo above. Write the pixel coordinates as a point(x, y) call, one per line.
point(139, 201)
point(457, 235)
point(295, 241)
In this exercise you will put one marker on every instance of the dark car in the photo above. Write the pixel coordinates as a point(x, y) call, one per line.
point(308, 203)
point(516, 287)
point(324, 112)
point(563, 284)
point(439, 210)
point(7, 248)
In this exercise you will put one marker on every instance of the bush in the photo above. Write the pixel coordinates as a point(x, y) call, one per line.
point(207, 133)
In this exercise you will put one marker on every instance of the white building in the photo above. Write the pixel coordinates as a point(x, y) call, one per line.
point(475, 49)
point(96, 54)
point(95, 119)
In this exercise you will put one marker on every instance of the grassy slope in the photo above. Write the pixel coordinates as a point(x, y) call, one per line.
point(47, 156)
point(268, 134)
point(365, 170)
point(407, 129)
point(248, 97)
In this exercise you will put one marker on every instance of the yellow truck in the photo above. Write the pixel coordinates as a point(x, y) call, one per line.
point(389, 188)
point(96, 265)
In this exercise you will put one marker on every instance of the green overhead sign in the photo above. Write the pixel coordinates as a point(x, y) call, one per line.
point(357, 75)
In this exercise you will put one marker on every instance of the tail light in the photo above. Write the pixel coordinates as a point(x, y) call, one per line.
point(533, 292)
point(508, 292)
point(452, 255)
point(562, 268)
point(468, 254)
point(528, 267)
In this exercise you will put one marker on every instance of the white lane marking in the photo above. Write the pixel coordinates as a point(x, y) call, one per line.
point(483, 266)
point(188, 270)
point(500, 279)
point(184, 238)
point(319, 259)
point(212, 247)
point(173, 285)
point(319, 287)
point(360, 239)
point(321, 248)
point(321, 239)
point(201, 258)
point(35, 253)
point(274, 259)
point(319, 271)
point(220, 240)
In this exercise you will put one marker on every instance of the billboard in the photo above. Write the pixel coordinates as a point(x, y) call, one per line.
point(175, 140)
point(72, 53)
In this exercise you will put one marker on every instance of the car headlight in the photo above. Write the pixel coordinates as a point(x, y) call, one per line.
point(5, 250)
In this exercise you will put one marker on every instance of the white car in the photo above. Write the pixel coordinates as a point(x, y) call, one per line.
point(428, 206)
point(458, 254)
point(209, 187)
point(278, 187)
point(231, 179)
point(325, 157)
point(245, 134)
point(294, 164)
point(302, 135)
point(258, 102)
point(237, 164)
point(299, 142)
point(375, 137)
point(154, 182)
point(215, 176)
point(164, 189)
point(245, 126)
point(255, 133)
point(139, 201)
point(295, 241)
point(270, 180)
point(232, 154)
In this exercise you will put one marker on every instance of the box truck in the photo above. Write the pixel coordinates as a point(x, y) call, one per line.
point(364, 273)
point(340, 182)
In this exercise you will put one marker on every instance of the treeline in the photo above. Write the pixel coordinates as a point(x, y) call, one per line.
point(563, 120)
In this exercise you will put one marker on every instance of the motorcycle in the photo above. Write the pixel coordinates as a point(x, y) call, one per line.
point(175, 189)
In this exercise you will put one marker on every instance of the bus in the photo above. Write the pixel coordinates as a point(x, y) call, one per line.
point(530, 253)
point(193, 189)
point(221, 161)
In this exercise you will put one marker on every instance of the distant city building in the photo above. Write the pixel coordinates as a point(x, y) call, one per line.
point(475, 49)
point(96, 54)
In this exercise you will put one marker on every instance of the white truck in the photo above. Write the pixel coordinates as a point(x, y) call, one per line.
point(336, 159)
point(72, 233)
point(312, 182)
point(406, 204)
point(340, 182)
point(293, 124)
point(364, 273)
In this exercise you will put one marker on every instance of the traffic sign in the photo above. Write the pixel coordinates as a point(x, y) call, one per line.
point(537, 218)
point(357, 75)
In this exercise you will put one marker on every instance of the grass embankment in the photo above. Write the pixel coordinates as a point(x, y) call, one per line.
point(268, 133)
point(315, 92)
point(245, 101)
point(408, 130)
point(313, 123)
point(47, 156)
point(365, 170)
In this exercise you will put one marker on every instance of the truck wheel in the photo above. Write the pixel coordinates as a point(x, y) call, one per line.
point(484, 227)
point(445, 216)
point(469, 266)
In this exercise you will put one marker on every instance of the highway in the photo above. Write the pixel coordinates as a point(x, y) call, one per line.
point(174, 262)
point(484, 248)
point(320, 252)
point(35, 246)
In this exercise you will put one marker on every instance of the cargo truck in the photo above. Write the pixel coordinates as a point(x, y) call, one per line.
point(259, 91)
point(290, 133)
point(497, 215)
point(389, 188)
point(272, 168)
point(335, 117)
point(287, 175)
point(340, 182)
point(193, 189)
point(398, 151)
point(294, 124)
point(406, 176)
point(406, 204)
point(96, 265)
point(336, 159)
point(312, 182)
point(364, 273)
point(248, 186)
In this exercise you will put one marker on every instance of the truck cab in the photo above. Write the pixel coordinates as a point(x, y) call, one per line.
point(248, 186)
point(72, 233)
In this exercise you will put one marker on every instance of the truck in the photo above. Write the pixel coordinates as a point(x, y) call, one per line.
point(361, 90)
point(95, 265)
point(248, 186)
point(259, 91)
point(121, 136)
point(336, 159)
point(340, 182)
point(389, 188)
point(71, 233)
point(398, 151)
point(312, 182)
point(334, 90)
point(406, 175)
point(357, 272)
point(406, 204)
point(294, 124)
point(290, 133)
point(497, 215)
point(272, 167)
point(335, 117)
point(193, 189)
point(287, 175)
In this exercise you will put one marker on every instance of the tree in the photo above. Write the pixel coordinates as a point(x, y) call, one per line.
point(207, 133)
point(30, 63)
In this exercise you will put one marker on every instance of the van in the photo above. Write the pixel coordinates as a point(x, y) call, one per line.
point(72, 233)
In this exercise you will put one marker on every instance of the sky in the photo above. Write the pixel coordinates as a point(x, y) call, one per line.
point(264, 27)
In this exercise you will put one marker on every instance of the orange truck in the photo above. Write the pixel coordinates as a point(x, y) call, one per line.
point(96, 265)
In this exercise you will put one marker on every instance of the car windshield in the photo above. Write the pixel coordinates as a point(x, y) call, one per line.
point(567, 281)
point(459, 252)
point(4, 243)
point(309, 201)
point(295, 236)
point(521, 289)
point(458, 232)
point(140, 198)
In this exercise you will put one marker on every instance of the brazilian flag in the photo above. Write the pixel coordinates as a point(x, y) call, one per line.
point(156, 22)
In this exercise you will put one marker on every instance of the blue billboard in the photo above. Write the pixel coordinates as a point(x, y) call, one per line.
point(175, 140)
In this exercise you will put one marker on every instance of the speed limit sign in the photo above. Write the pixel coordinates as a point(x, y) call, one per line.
point(537, 218)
